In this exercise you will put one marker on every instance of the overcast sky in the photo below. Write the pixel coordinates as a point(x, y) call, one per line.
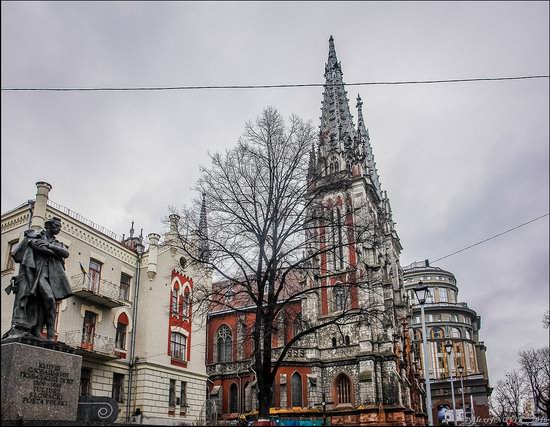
point(460, 161)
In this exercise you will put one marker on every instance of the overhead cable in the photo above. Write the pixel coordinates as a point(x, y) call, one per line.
point(166, 88)
point(490, 238)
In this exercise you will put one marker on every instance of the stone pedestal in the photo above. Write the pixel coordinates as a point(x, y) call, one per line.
point(39, 383)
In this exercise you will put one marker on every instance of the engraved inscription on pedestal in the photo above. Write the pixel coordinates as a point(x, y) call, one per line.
point(39, 383)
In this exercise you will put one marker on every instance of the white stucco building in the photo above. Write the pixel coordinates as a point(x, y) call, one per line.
point(130, 317)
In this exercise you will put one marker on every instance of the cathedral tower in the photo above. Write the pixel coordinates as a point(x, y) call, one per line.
point(365, 362)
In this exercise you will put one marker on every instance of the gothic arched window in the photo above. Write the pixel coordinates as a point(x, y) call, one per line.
point(343, 389)
point(233, 398)
point(334, 166)
point(339, 297)
point(296, 389)
point(174, 301)
point(340, 239)
point(185, 308)
point(224, 344)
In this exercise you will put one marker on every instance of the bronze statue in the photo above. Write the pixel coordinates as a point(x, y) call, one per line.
point(40, 283)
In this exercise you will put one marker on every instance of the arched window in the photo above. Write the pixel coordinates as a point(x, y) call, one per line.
point(339, 297)
point(455, 332)
point(333, 233)
point(343, 389)
point(296, 389)
point(468, 335)
point(121, 327)
point(185, 309)
point(334, 167)
point(174, 301)
point(233, 398)
point(347, 340)
point(224, 344)
point(437, 333)
point(340, 240)
point(333, 342)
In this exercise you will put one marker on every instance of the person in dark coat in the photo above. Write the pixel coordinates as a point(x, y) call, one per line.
point(41, 280)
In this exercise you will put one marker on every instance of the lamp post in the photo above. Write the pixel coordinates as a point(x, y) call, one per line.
point(461, 372)
point(449, 349)
point(421, 293)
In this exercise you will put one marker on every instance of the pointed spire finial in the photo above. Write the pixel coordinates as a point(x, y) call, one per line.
point(204, 249)
point(332, 60)
point(132, 230)
point(359, 106)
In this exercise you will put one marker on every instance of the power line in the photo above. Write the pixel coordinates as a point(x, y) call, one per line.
point(489, 238)
point(127, 89)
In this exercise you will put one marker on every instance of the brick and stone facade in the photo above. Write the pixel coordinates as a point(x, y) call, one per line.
point(363, 371)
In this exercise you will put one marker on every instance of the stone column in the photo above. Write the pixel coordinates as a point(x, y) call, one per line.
point(39, 212)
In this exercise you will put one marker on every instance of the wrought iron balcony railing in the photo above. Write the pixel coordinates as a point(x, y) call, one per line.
point(92, 287)
point(99, 345)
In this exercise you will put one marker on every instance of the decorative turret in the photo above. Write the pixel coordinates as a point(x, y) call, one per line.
point(39, 213)
point(204, 249)
point(153, 255)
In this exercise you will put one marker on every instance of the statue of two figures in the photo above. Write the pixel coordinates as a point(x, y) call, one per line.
point(41, 282)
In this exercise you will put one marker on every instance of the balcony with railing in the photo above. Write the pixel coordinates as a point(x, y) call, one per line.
point(91, 345)
point(99, 291)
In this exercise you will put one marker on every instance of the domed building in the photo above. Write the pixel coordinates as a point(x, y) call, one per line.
point(448, 319)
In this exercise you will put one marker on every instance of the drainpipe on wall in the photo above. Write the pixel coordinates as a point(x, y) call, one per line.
point(139, 249)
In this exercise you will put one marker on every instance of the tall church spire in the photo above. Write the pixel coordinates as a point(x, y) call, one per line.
point(337, 129)
point(204, 248)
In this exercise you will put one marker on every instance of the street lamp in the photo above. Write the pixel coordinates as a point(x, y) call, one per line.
point(449, 349)
point(421, 293)
point(461, 372)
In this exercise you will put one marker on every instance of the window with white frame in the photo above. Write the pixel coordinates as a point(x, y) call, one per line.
point(178, 346)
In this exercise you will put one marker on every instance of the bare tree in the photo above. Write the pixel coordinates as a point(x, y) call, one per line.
point(535, 365)
point(546, 319)
point(508, 395)
point(264, 246)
